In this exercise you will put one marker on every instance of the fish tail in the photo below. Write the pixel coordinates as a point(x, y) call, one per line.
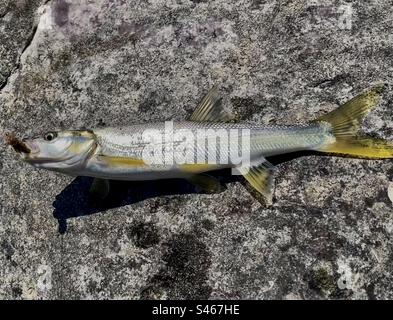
point(345, 125)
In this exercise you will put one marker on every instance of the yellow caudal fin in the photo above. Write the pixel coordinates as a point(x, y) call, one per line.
point(345, 123)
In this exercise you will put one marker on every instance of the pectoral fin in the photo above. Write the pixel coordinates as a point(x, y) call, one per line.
point(210, 109)
point(99, 188)
point(260, 177)
point(121, 161)
point(205, 183)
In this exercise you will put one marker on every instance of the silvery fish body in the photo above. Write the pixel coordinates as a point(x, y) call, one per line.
point(212, 140)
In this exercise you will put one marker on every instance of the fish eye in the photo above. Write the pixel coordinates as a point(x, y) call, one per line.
point(50, 136)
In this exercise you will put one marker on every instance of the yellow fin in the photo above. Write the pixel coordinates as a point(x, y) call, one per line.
point(260, 177)
point(362, 147)
point(346, 119)
point(121, 161)
point(345, 123)
point(210, 109)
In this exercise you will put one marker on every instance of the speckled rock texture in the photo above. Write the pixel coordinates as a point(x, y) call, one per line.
point(71, 64)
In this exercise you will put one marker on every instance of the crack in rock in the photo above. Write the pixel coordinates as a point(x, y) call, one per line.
point(7, 78)
point(27, 45)
point(19, 63)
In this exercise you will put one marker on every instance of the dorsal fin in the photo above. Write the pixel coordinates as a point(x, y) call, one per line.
point(210, 109)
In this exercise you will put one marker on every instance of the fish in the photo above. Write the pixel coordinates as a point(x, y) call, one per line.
point(210, 133)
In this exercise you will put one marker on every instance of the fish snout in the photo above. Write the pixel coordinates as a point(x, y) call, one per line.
point(30, 150)
point(32, 147)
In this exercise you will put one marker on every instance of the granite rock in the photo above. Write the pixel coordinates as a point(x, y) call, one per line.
point(71, 64)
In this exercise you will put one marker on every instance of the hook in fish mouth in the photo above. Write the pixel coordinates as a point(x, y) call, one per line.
point(18, 145)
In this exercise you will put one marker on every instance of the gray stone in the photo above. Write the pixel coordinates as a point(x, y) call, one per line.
point(70, 64)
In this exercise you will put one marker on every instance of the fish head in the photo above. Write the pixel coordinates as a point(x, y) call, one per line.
point(58, 150)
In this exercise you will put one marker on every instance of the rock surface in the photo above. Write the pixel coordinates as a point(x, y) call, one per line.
point(70, 64)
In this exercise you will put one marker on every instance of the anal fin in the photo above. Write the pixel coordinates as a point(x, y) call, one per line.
point(260, 176)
